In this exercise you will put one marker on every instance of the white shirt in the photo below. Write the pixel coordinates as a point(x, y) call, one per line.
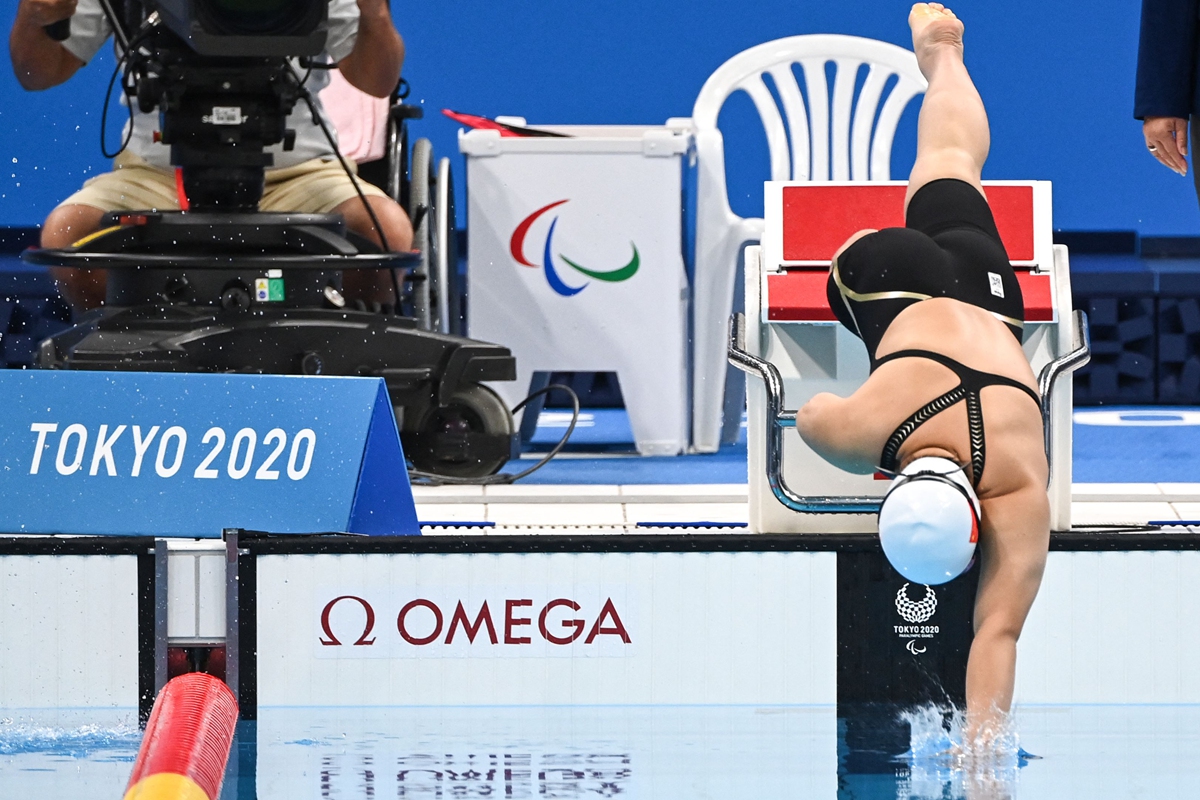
point(90, 30)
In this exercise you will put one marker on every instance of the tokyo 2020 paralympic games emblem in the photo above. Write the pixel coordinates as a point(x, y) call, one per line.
point(918, 611)
point(517, 248)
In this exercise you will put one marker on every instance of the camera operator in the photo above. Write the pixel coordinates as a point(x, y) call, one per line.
point(368, 50)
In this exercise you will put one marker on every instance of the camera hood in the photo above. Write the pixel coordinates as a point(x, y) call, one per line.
point(248, 28)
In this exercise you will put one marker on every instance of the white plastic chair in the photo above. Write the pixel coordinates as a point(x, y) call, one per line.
point(799, 150)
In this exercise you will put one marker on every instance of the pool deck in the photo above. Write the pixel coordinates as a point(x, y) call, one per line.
point(530, 508)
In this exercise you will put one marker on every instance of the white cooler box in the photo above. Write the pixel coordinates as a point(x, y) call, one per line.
point(575, 262)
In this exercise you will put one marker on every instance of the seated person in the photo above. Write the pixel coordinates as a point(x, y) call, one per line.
point(367, 49)
point(940, 311)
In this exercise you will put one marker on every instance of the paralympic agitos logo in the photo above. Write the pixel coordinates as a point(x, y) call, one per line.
point(517, 247)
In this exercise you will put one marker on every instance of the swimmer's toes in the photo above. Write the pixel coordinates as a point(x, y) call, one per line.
point(932, 25)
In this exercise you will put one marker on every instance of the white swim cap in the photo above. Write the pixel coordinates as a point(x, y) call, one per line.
point(929, 521)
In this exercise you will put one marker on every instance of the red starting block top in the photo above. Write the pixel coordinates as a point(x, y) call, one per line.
point(798, 295)
point(817, 219)
point(806, 223)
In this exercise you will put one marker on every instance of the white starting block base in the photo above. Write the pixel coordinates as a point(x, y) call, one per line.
point(790, 325)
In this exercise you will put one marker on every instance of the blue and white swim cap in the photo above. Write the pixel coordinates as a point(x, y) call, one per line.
point(929, 521)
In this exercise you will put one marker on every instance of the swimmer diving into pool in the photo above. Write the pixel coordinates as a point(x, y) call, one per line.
point(940, 311)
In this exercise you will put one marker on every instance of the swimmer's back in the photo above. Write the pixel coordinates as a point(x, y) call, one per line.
point(975, 339)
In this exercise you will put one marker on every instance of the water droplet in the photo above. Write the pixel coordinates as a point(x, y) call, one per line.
point(14, 159)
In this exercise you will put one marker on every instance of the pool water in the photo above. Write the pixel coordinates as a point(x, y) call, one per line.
point(634, 752)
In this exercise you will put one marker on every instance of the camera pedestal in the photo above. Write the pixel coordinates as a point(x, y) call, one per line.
point(260, 294)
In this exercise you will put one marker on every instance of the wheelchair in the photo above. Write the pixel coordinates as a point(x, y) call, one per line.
point(424, 188)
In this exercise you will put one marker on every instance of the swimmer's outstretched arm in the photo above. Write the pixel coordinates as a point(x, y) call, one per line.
point(952, 129)
point(1014, 538)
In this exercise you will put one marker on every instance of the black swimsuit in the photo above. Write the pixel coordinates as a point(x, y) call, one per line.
point(949, 247)
point(970, 382)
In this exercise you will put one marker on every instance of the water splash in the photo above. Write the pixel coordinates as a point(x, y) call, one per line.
point(942, 764)
point(19, 736)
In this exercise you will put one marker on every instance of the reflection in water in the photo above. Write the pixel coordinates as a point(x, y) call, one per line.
point(726, 753)
point(645, 752)
point(510, 774)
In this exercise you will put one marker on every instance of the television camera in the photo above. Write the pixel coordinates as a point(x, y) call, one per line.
point(222, 287)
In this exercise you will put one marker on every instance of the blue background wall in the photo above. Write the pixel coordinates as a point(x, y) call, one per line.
point(1057, 77)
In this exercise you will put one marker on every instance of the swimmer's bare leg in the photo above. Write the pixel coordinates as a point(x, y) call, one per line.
point(952, 129)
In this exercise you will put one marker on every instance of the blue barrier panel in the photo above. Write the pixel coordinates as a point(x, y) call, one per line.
point(188, 455)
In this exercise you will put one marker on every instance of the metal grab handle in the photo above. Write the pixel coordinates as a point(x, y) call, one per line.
point(777, 420)
point(1080, 355)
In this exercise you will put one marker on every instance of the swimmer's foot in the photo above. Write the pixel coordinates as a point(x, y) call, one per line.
point(936, 32)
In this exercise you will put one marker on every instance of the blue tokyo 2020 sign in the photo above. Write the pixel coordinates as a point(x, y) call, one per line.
point(189, 455)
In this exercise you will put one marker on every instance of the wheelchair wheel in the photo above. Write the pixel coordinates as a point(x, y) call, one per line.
point(449, 297)
point(397, 173)
point(421, 210)
point(469, 437)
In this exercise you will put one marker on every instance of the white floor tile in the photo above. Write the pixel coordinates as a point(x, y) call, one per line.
point(1120, 513)
point(1087, 489)
point(687, 512)
point(556, 514)
point(1188, 511)
point(701, 490)
point(1181, 489)
point(545, 490)
point(432, 493)
point(451, 512)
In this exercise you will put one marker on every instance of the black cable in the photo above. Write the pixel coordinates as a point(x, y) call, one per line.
point(312, 107)
point(117, 70)
point(122, 62)
point(504, 478)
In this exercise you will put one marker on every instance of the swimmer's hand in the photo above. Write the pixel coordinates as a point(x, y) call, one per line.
point(824, 423)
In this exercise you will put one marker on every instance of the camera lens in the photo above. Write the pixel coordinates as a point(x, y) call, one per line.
point(259, 17)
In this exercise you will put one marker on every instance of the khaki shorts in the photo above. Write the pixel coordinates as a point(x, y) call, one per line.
point(311, 187)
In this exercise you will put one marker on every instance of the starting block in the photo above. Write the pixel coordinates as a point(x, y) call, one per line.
point(791, 338)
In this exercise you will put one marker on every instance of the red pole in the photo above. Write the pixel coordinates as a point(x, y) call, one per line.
point(187, 741)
